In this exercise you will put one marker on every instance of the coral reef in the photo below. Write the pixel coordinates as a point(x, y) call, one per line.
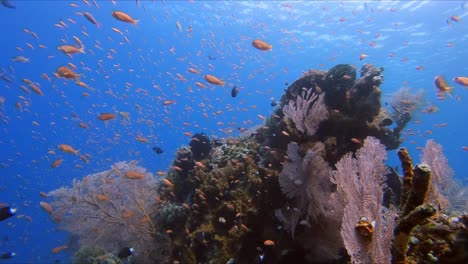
point(309, 186)
point(277, 184)
point(224, 204)
point(94, 255)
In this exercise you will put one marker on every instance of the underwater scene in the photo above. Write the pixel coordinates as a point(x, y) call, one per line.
point(232, 132)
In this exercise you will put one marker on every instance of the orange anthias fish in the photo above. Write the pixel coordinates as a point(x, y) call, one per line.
point(67, 73)
point(442, 86)
point(213, 80)
point(124, 17)
point(261, 45)
point(68, 149)
point(461, 80)
point(56, 250)
point(56, 163)
point(106, 116)
point(67, 49)
point(46, 207)
point(134, 175)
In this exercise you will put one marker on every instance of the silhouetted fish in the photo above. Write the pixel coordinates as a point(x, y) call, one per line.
point(158, 150)
point(8, 3)
point(234, 91)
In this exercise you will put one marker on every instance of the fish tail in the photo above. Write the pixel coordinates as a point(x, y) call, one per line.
point(135, 22)
point(82, 49)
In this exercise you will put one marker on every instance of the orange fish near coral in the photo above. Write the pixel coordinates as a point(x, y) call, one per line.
point(261, 45)
point(68, 149)
point(67, 73)
point(134, 175)
point(442, 86)
point(58, 249)
point(213, 80)
point(461, 80)
point(121, 16)
point(46, 207)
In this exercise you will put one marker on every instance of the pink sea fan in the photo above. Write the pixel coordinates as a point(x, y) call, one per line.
point(306, 180)
point(444, 192)
point(307, 112)
point(360, 183)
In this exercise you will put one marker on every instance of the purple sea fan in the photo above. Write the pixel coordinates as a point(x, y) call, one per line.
point(444, 192)
point(306, 181)
point(360, 183)
point(307, 112)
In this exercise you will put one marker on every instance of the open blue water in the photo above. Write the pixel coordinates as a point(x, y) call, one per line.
point(414, 42)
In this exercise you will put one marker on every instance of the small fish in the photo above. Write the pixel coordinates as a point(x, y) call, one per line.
point(362, 56)
point(106, 116)
point(121, 16)
point(67, 73)
point(134, 175)
point(7, 212)
point(56, 163)
point(274, 103)
point(46, 207)
point(7, 255)
point(91, 19)
point(442, 86)
point(68, 149)
point(67, 49)
point(213, 80)
point(125, 252)
point(234, 91)
point(261, 45)
point(455, 18)
point(20, 59)
point(125, 115)
point(179, 26)
point(8, 3)
point(158, 150)
point(58, 249)
point(461, 80)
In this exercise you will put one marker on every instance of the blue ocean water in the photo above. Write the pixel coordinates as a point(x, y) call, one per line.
point(136, 70)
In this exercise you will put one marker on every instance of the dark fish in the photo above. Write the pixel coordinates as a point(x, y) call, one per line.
point(234, 91)
point(7, 255)
point(125, 252)
point(158, 150)
point(211, 57)
point(274, 103)
point(91, 19)
point(7, 212)
point(8, 3)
